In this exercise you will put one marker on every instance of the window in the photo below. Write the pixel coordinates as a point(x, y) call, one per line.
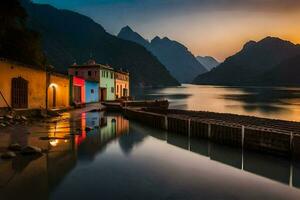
point(76, 73)
point(112, 89)
point(92, 91)
point(111, 75)
point(117, 88)
point(95, 73)
point(106, 74)
point(89, 73)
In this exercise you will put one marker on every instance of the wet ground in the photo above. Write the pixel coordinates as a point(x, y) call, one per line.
point(121, 159)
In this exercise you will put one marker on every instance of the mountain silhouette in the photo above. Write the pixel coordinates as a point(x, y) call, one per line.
point(285, 74)
point(181, 63)
point(208, 62)
point(70, 37)
point(248, 66)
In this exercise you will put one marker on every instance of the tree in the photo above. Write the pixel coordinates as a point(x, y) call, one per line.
point(17, 42)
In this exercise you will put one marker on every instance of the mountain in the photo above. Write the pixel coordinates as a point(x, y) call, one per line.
point(17, 41)
point(247, 66)
point(208, 62)
point(181, 63)
point(70, 37)
point(284, 74)
point(127, 33)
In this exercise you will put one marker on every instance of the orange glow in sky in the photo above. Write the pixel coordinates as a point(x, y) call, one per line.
point(216, 28)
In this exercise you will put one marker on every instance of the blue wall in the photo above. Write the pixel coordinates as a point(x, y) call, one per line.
point(91, 91)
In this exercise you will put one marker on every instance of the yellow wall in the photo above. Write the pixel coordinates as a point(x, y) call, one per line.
point(36, 83)
point(61, 83)
point(124, 84)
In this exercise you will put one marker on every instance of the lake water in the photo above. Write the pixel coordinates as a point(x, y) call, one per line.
point(121, 159)
point(278, 103)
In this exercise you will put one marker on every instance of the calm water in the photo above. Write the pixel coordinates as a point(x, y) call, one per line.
point(279, 103)
point(121, 159)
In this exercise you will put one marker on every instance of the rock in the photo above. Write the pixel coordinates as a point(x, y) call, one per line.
point(31, 150)
point(8, 155)
point(9, 116)
point(15, 147)
point(24, 118)
point(88, 128)
point(1, 117)
point(3, 125)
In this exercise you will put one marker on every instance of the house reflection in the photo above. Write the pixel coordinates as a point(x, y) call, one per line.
point(137, 135)
point(104, 129)
point(34, 177)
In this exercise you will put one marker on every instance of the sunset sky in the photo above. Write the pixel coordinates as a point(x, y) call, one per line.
point(207, 27)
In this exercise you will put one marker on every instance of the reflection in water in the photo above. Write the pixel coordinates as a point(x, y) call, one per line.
point(34, 177)
point(280, 103)
point(129, 141)
point(269, 166)
point(96, 163)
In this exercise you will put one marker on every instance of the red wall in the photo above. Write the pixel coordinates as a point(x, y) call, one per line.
point(80, 82)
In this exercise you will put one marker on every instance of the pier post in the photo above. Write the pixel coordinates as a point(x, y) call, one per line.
point(209, 131)
point(189, 133)
point(166, 122)
point(291, 141)
point(189, 127)
point(243, 136)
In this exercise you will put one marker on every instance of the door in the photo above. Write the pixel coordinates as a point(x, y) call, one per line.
point(77, 94)
point(103, 94)
point(125, 92)
point(53, 96)
point(19, 93)
point(99, 94)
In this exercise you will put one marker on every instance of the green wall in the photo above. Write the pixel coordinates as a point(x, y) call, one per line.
point(107, 81)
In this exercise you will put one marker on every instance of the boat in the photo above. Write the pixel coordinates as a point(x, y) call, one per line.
point(120, 105)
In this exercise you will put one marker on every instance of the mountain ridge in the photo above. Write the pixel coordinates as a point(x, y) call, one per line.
point(208, 62)
point(247, 65)
point(180, 62)
point(70, 37)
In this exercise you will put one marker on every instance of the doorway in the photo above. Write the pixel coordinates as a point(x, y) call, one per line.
point(103, 94)
point(77, 94)
point(53, 96)
point(19, 93)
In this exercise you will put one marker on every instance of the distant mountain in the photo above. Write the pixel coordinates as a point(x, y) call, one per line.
point(247, 66)
point(127, 33)
point(176, 57)
point(285, 74)
point(70, 37)
point(208, 62)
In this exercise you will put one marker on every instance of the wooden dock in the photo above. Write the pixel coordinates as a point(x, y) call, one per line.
point(267, 135)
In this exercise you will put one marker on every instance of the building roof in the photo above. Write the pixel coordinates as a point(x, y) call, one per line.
point(91, 65)
point(122, 72)
point(13, 62)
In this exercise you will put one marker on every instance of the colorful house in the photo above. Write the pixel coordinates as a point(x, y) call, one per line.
point(58, 91)
point(89, 71)
point(104, 75)
point(107, 83)
point(30, 87)
point(121, 84)
point(77, 91)
point(91, 91)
